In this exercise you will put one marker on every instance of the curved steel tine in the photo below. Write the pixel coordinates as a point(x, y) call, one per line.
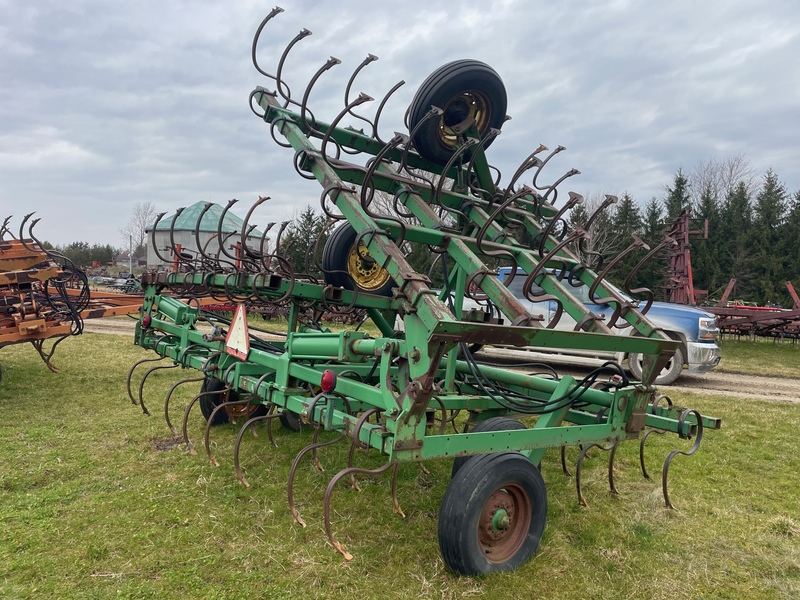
point(287, 95)
point(356, 443)
point(645, 435)
point(169, 395)
point(629, 279)
point(261, 249)
point(338, 546)
point(141, 384)
point(22, 232)
point(574, 200)
point(378, 113)
point(564, 461)
point(369, 59)
point(185, 425)
point(323, 146)
point(210, 420)
point(246, 230)
point(656, 401)
point(544, 162)
point(274, 12)
point(202, 247)
point(293, 471)
point(237, 466)
point(393, 486)
point(579, 467)
point(674, 453)
point(130, 375)
point(6, 229)
point(611, 455)
point(179, 259)
point(329, 64)
point(223, 239)
point(153, 244)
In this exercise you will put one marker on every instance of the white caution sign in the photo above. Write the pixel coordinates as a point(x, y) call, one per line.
point(237, 342)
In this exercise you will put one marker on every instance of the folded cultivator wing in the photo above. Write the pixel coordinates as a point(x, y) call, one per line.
point(42, 293)
point(417, 394)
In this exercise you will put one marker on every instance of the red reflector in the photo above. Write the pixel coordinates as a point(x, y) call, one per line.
point(328, 382)
point(146, 321)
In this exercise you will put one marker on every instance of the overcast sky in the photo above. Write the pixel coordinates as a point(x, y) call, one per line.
point(105, 104)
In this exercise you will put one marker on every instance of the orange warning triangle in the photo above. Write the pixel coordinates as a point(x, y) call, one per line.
point(237, 342)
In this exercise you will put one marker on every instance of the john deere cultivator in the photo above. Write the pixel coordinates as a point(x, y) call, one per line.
point(418, 394)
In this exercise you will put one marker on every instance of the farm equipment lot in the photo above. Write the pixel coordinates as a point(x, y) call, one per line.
point(97, 500)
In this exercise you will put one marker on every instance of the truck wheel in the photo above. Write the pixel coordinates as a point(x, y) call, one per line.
point(345, 265)
point(668, 374)
point(493, 515)
point(462, 89)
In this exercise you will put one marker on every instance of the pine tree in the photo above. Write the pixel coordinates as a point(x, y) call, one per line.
point(767, 250)
point(678, 197)
point(651, 275)
point(734, 251)
point(299, 241)
point(626, 222)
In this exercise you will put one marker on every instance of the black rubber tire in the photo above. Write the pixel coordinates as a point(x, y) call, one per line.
point(462, 534)
point(441, 87)
point(291, 421)
point(667, 376)
point(335, 262)
point(490, 424)
point(210, 402)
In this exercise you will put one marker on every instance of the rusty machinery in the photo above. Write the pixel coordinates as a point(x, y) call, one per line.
point(417, 394)
point(44, 296)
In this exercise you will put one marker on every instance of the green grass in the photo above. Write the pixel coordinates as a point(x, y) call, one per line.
point(762, 356)
point(96, 502)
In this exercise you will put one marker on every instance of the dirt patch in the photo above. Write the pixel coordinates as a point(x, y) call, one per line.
point(167, 444)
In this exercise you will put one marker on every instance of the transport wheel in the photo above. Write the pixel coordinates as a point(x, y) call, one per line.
point(210, 402)
point(291, 421)
point(345, 265)
point(668, 374)
point(462, 89)
point(491, 424)
point(493, 515)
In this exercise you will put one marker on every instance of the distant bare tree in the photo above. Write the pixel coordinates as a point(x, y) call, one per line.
point(134, 235)
point(720, 177)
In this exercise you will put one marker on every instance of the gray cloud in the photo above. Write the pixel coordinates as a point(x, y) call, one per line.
point(107, 104)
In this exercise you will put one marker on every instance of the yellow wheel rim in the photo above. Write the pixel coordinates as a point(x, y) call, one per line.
point(367, 274)
point(467, 104)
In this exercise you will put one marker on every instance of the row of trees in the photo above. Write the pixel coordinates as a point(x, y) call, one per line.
point(753, 233)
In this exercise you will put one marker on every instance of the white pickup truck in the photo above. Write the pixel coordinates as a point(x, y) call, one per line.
point(695, 329)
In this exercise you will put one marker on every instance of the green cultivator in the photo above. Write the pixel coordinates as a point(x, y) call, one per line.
point(415, 391)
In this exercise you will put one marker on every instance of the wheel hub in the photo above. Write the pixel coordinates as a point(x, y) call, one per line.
point(364, 270)
point(504, 523)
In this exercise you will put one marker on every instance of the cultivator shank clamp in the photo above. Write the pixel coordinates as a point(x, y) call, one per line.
point(432, 188)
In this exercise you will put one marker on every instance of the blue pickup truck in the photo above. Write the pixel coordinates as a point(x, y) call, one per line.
point(695, 329)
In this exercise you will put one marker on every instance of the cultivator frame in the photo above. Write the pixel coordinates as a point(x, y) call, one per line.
point(399, 393)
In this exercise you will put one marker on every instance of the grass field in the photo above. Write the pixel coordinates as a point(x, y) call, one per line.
point(96, 501)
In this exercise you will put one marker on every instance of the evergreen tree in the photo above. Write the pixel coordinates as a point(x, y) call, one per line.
point(651, 275)
point(299, 240)
point(678, 197)
point(767, 247)
point(790, 234)
point(734, 252)
point(627, 222)
point(705, 266)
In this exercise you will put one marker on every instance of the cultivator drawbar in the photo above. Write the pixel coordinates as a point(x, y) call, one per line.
point(417, 393)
